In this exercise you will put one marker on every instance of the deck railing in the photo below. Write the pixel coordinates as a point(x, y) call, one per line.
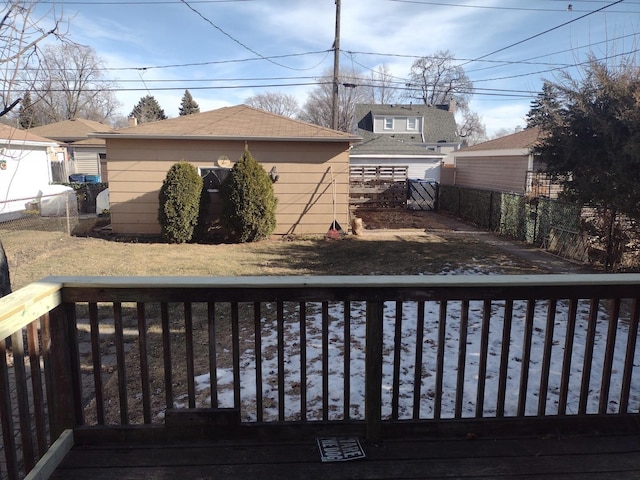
point(141, 351)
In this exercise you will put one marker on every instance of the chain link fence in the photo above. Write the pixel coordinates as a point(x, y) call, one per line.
point(49, 213)
point(593, 236)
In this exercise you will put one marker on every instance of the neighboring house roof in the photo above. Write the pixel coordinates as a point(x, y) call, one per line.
point(388, 146)
point(521, 140)
point(439, 124)
point(10, 134)
point(233, 123)
point(73, 130)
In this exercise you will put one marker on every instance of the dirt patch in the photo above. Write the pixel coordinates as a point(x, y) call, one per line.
point(398, 218)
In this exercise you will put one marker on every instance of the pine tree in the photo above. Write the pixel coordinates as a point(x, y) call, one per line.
point(543, 107)
point(188, 105)
point(179, 201)
point(148, 110)
point(27, 115)
point(248, 201)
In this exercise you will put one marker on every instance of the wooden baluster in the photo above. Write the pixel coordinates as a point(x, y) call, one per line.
point(546, 357)
point(482, 363)
point(257, 328)
point(588, 356)
point(397, 355)
point(144, 363)
point(36, 385)
point(526, 357)
point(6, 416)
point(347, 361)
point(629, 356)
point(188, 336)
point(303, 360)
point(566, 360)
point(96, 361)
point(504, 357)
point(373, 371)
point(213, 353)
point(417, 374)
point(608, 356)
point(442, 331)
point(166, 348)
point(118, 328)
point(462, 357)
point(325, 361)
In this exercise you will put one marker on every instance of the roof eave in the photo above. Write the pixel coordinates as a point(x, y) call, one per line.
point(125, 136)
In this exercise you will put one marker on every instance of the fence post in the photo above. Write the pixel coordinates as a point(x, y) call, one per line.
point(373, 372)
point(66, 196)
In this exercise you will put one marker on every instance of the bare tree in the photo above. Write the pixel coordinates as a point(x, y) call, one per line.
point(317, 108)
point(471, 129)
point(383, 88)
point(21, 32)
point(275, 102)
point(71, 84)
point(436, 80)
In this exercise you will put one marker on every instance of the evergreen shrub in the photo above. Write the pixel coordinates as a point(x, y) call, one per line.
point(248, 201)
point(179, 202)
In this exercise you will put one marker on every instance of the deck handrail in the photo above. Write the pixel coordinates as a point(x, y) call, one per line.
point(492, 346)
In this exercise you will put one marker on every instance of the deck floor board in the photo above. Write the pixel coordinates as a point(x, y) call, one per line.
point(524, 458)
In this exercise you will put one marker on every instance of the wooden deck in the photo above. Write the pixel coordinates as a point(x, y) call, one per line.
point(586, 456)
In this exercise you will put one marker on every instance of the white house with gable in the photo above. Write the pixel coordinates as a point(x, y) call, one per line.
point(27, 168)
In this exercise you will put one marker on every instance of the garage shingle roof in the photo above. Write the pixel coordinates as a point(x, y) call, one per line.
point(238, 122)
point(72, 130)
point(525, 139)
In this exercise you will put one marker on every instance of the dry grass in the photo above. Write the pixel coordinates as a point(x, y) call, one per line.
point(36, 254)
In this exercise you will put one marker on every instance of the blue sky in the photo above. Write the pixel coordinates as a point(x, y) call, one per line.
point(216, 49)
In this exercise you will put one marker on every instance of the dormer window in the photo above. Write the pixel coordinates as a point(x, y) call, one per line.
point(412, 123)
point(388, 123)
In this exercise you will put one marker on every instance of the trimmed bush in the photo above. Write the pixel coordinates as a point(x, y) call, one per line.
point(248, 201)
point(179, 202)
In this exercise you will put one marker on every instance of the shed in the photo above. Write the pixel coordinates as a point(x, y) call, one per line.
point(311, 164)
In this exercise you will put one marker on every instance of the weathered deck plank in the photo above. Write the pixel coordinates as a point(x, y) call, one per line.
point(587, 457)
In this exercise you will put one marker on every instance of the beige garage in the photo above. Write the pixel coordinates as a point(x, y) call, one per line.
point(311, 164)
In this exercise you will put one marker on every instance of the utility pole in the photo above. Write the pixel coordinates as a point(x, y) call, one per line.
point(336, 70)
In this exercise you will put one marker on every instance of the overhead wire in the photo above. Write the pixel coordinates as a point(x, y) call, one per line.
point(231, 37)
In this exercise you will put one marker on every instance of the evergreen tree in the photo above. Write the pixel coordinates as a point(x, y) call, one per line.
point(148, 110)
point(543, 107)
point(590, 139)
point(179, 201)
point(27, 117)
point(188, 105)
point(248, 201)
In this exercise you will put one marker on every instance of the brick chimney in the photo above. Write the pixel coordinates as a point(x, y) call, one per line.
point(452, 106)
point(133, 122)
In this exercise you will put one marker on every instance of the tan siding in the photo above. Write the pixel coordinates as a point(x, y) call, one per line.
point(305, 191)
point(504, 174)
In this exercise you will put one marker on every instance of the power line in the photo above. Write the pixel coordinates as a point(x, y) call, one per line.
point(242, 44)
point(488, 7)
point(541, 33)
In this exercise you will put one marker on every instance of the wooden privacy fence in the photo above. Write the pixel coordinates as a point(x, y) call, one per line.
point(378, 186)
point(309, 350)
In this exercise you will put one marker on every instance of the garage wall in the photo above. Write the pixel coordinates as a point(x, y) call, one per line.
point(499, 173)
point(304, 189)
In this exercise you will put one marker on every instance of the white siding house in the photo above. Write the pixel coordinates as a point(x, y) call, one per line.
point(26, 162)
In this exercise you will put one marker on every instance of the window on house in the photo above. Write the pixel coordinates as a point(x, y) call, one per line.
point(388, 123)
point(213, 177)
point(412, 123)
